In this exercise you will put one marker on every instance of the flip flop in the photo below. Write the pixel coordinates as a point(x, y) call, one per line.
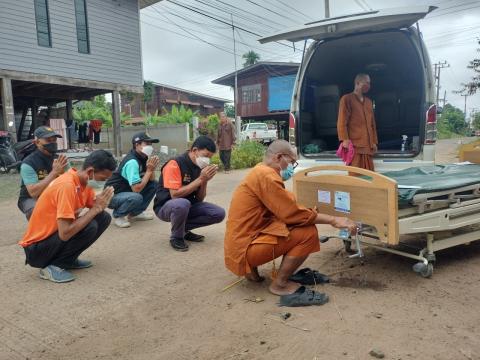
point(308, 276)
point(303, 297)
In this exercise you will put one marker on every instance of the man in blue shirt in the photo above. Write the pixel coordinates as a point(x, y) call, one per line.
point(134, 182)
point(39, 169)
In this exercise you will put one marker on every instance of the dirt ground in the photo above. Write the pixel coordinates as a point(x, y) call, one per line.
point(142, 300)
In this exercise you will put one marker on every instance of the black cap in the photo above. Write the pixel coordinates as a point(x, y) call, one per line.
point(43, 132)
point(143, 136)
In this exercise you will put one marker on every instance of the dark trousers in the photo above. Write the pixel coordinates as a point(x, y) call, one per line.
point(185, 216)
point(53, 251)
point(225, 158)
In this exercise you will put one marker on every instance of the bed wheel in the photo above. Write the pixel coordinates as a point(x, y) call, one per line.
point(348, 246)
point(423, 270)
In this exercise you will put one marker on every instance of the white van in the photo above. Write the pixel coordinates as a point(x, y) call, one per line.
point(387, 45)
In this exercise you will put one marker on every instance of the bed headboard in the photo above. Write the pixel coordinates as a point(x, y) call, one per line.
point(359, 194)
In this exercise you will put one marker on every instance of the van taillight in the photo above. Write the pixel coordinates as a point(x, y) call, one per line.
point(291, 121)
point(291, 130)
point(431, 125)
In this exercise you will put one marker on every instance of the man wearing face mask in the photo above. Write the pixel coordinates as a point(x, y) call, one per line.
point(356, 124)
point(39, 169)
point(181, 191)
point(56, 233)
point(134, 182)
point(265, 222)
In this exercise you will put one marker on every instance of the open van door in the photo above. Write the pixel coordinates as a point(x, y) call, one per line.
point(377, 20)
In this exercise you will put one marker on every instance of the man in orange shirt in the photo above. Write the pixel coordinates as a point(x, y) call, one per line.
point(56, 234)
point(356, 123)
point(265, 222)
point(181, 192)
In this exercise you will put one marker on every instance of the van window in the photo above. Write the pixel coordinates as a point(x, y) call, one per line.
point(397, 91)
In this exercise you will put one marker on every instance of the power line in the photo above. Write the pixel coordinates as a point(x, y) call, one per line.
point(243, 10)
point(215, 34)
point(219, 20)
point(294, 9)
point(270, 10)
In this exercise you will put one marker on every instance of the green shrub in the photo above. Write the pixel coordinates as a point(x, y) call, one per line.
point(245, 155)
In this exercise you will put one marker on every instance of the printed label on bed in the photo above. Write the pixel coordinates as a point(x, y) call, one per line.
point(324, 197)
point(342, 201)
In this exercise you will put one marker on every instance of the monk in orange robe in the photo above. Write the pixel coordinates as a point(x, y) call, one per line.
point(356, 123)
point(265, 222)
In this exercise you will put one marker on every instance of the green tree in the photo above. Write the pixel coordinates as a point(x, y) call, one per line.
point(452, 120)
point(178, 115)
point(471, 87)
point(148, 90)
point(99, 108)
point(229, 110)
point(250, 58)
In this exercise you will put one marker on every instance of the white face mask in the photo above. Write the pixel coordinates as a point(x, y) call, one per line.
point(147, 150)
point(95, 184)
point(202, 161)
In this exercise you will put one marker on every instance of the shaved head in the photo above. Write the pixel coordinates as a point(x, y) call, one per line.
point(361, 77)
point(281, 147)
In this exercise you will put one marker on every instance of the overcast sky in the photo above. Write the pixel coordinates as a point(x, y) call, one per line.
point(188, 50)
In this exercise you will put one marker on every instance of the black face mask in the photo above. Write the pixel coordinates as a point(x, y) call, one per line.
point(50, 147)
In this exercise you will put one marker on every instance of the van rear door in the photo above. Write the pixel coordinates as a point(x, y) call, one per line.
point(377, 20)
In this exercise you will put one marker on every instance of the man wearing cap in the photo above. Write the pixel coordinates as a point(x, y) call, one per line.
point(134, 182)
point(39, 169)
point(181, 191)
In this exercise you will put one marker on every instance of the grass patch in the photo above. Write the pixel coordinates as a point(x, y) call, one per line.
point(245, 155)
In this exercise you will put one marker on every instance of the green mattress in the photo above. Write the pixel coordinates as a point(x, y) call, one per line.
point(421, 180)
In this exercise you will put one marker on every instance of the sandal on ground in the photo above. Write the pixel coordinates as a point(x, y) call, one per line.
point(308, 276)
point(303, 297)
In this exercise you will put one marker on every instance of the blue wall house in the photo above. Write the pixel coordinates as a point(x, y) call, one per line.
point(264, 92)
point(56, 51)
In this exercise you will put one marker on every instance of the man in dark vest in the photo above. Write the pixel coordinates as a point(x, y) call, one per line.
point(134, 182)
point(39, 169)
point(181, 191)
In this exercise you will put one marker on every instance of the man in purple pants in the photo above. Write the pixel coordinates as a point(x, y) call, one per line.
point(181, 189)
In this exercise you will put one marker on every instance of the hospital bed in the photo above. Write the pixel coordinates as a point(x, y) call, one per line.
point(439, 205)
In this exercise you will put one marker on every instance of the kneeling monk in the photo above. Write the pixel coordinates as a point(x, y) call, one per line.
point(265, 222)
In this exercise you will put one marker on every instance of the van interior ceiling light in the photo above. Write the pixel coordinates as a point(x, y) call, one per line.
point(376, 67)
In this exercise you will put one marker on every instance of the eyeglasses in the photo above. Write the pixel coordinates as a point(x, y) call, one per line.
point(293, 162)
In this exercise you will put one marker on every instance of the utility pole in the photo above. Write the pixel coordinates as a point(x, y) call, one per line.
point(238, 124)
point(438, 67)
point(327, 8)
point(444, 100)
point(465, 108)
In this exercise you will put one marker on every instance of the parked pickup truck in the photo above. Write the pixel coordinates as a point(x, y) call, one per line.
point(258, 132)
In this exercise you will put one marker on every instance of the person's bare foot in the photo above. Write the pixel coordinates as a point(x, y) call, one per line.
point(254, 276)
point(283, 289)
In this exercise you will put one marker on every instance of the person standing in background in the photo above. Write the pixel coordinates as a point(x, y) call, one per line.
point(356, 124)
point(225, 140)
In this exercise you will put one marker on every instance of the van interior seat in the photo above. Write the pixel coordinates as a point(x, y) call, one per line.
point(386, 111)
point(307, 126)
point(327, 98)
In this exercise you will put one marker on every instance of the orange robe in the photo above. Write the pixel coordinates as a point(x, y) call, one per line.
point(356, 122)
point(264, 213)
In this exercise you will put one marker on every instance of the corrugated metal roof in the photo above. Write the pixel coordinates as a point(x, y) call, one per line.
point(145, 3)
point(192, 92)
point(227, 79)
